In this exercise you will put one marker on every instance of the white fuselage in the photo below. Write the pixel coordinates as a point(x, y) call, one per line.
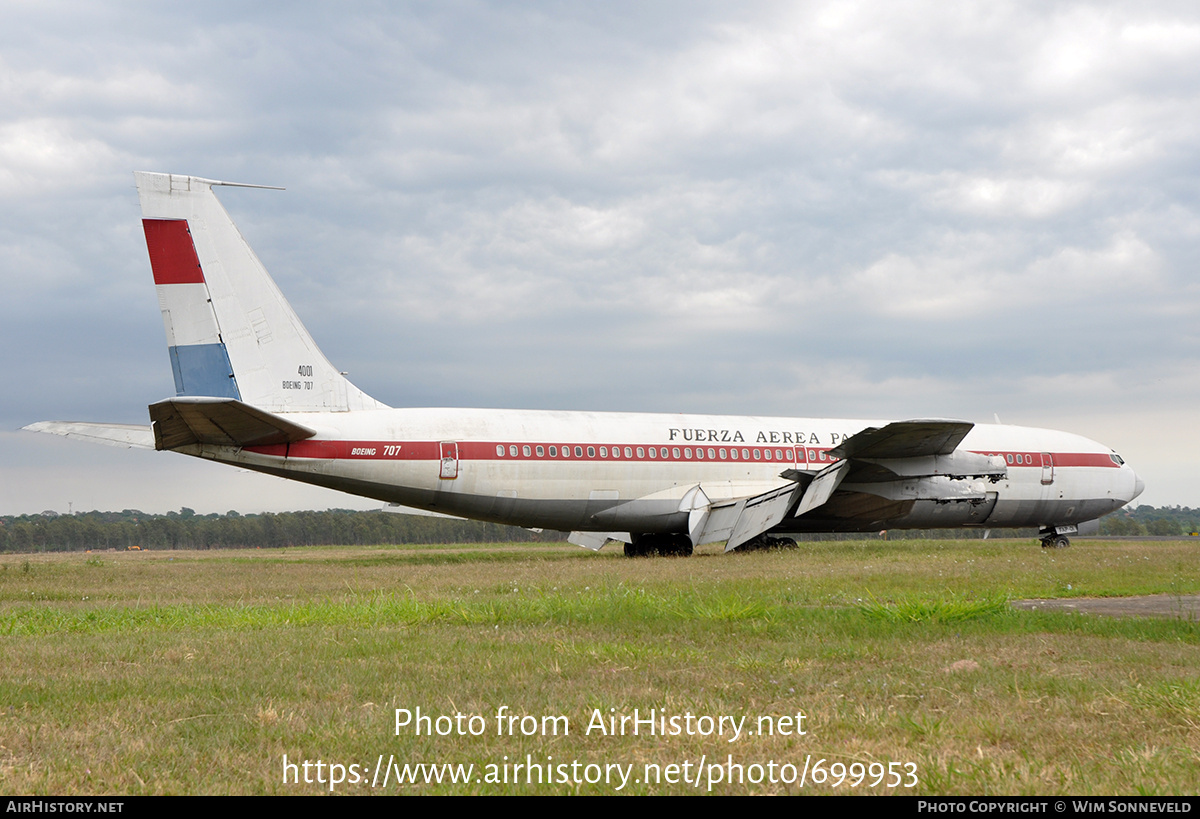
point(627, 472)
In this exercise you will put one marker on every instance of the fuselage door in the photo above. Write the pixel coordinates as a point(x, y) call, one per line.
point(449, 461)
point(1047, 468)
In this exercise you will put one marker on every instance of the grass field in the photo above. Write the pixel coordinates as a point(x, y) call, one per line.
point(197, 672)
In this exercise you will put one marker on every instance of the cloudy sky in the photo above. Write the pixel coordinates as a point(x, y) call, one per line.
point(877, 209)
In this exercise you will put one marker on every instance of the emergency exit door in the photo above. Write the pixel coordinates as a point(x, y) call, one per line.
point(449, 461)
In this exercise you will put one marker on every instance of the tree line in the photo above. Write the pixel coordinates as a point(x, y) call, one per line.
point(185, 529)
point(52, 532)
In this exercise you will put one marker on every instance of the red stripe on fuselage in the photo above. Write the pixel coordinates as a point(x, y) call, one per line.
point(172, 253)
point(1034, 459)
point(490, 451)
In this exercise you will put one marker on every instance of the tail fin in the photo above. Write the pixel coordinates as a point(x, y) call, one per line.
point(230, 332)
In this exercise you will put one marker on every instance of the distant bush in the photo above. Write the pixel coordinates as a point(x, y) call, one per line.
point(52, 532)
point(187, 530)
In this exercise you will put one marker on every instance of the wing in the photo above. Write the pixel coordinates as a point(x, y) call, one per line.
point(884, 468)
point(905, 439)
point(922, 452)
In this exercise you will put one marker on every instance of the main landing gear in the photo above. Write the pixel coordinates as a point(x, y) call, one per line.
point(764, 543)
point(651, 544)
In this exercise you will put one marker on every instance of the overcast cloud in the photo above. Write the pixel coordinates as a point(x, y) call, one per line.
point(879, 210)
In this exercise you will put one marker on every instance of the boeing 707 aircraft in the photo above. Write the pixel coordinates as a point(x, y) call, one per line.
point(253, 390)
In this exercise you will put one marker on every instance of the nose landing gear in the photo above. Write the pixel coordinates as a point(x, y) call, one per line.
point(1055, 537)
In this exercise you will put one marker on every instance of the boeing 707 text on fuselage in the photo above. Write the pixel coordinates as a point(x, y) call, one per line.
point(253, 390)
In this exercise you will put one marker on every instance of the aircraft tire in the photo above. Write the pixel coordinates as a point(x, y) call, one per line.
point(646, 545)
point(764, 543)
point(681, 546)
point(651, 545)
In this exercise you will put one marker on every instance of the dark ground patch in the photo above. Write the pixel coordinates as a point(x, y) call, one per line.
point(1182, 606)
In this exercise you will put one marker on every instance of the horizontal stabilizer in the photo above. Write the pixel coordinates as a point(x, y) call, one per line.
point(137, 436)
point(398, 509)
point(183, 421)
point(905, 439)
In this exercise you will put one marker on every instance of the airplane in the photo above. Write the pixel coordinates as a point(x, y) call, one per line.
point(253, 390)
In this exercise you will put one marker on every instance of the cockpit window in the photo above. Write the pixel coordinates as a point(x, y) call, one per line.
point(1116, 459)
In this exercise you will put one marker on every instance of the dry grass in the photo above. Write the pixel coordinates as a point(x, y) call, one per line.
point(195, 672)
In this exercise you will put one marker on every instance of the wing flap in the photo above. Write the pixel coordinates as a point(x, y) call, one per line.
point(761, 513)
point(738, 520)
point(595, 540)
point(820, 490)
point(183, 421)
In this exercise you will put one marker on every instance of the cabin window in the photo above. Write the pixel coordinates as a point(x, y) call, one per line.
point(553, 452)
point(653, 452)
point(540, 451)
point(512, 450)
point(1008, 458)
point(603, 452)
point(757, 455)
point(526, 451)
point(500, 450)
point(675, 452)
point(566, 450)
point(722, 451)
point(687, 452)
point(591, 452)
point(766, 454)
point(616, 452)
point(628, 452)
point(745, 454)
point(779, 454)
point(1020, 458)
point(578, 452)
point(641, 452)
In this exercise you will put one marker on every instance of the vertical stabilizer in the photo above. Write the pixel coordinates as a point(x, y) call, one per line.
point(230, 332)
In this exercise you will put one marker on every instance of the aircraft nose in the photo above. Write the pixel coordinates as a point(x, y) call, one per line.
point(1139, 485)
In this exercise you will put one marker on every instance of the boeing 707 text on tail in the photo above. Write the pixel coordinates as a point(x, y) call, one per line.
point(253, 390)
